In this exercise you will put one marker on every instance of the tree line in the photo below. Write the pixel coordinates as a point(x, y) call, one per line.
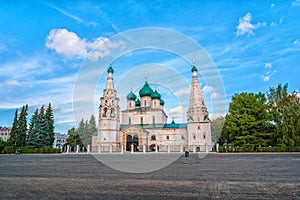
point(261, 122)
point(40, 132)
point(82, 135)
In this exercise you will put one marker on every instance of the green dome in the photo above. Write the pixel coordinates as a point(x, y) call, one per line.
point(131, 96)
point(137, 102)
point(155, 95)
point(110, 69)
point(194, 69)
point(146, 90)
point(162, 102)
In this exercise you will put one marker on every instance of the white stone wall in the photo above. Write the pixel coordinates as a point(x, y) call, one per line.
point(147, 115)
point(199, 134)
point(177, 138)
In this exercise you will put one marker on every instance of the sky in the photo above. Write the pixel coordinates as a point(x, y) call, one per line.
point(46, 46)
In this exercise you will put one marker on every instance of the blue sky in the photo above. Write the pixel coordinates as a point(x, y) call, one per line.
point(44, 44)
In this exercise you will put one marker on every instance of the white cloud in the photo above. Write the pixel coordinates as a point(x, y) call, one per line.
point(268, 65)
point(268, 75)
point(12, 83)
point(214, 95)
point(69, 44)
point(296, 3)
point(281, 19)
point(210, 91)
point(245, 26)
point(272, 5)
point(296, 42)
point(66, 43)
point(266, 78)
point(182, 91)
point(216, 115)
point(178, 111)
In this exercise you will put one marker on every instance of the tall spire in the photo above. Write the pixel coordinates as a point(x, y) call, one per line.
point(146, 75)
point(197, 111)
point(110, 82)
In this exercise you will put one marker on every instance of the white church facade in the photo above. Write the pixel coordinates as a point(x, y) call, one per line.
point(143, 125)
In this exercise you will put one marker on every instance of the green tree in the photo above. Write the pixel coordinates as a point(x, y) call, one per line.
point(50, 124)
point(33, 133)
point(22, 127)
point(43, 128)
point(86, 130)
point(247, 121)
point(285, 114)
point(73, 138)
point(92, 125)
point(14, 129)
point(216, 128)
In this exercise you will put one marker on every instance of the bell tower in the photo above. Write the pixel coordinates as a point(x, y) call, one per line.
point(198, 123)
point(109, 115)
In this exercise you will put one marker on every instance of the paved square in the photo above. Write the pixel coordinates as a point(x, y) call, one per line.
point(217, 176)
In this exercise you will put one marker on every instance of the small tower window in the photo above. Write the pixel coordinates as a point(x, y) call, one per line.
point(129, 104)
point(112, 113)
point(145, 105)
point(198, 127)
point(168, 137)
point(104, 112)
point(194, 136)
point(204, 136)
point(153, 137)
point(142, 120)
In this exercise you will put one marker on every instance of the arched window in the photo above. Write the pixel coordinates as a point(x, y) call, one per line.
point(142, 120)
point(129, 104)
point(112, 113)
point(104, 112)
point(194, 136)
point(153, 137)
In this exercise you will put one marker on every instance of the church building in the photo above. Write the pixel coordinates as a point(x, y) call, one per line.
point(143, 126)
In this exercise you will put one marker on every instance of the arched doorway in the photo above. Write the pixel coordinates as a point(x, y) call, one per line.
point(132, 140)
point(128, 142)
point(152, 147)
point(135, 142)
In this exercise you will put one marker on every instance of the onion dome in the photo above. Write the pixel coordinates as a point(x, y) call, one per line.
point(155, 95)
point(137, 102)
point(194, 69)
point(110, 69)
point(162, 102)
point(131, 96)
point(146, 90)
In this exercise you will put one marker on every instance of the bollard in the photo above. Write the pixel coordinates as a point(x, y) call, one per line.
point(88, 148)
point(122, 149)
point(77, 148)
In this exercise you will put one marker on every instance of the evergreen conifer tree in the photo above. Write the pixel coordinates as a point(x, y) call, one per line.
point(22, 127)
point(43, 128)
point(33, 135)
point(50, 125)
point(14, 129)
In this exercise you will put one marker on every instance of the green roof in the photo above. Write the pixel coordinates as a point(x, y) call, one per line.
point(110, 69)
point(137, 102)
point(146, 90)
point(131, 96)
point(155, 95)
point(154, 126)
point(194, 69)
point(162, 102)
